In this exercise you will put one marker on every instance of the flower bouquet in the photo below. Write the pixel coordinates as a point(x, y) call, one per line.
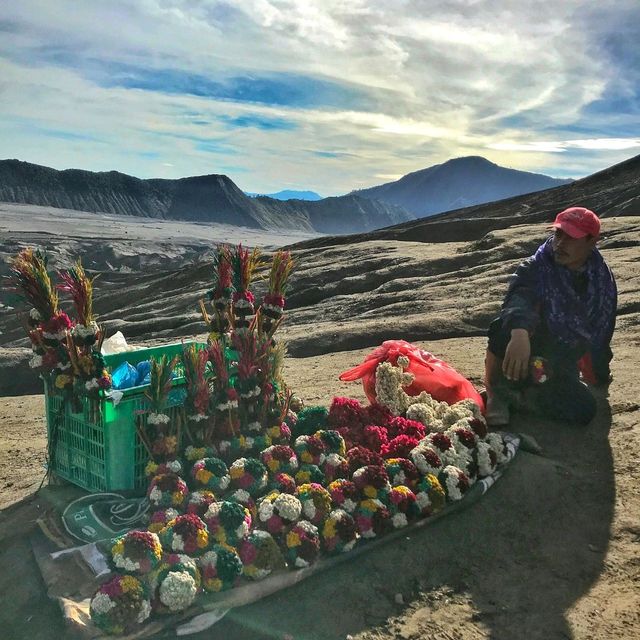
point(280, 459)
point(372, 481)
point(167, 490)
point(160, 436)
point(399, 447)
point(400, 426)
point(197, 400)
point(309, 473)
point(359, 456)
point(374, 437)
point(276, 511)
point(310, 420)
point(403, 506)
point(310, 449)
point(243, 264)
point(85, 339)
point(186, 533)
point(335, 466)
point(280, 433)
point(372, 518)
point(283, 483)
point(252, 351)
point(498, 446)
point(315, 500)
point(244, 498)
point(120, 605)
point(193, 454)
point(339, 532)
point(260, 555)
point(485, 458)
point(302, 544)
point(48, 326)
point(137, 552)
point(154, 468)
point(199, 501)
point(175, 583)
point(212, 474)
point(426, 459)
point(454, 482)
point(347, 412)
point(272, 308)
point(462, 438)
point(160, 518)
point(333, 442)
point(430, 496)
point(249, 474)
point(228, 522)
point(344, 494)
point(402, 472)
point(390, 383)
point(221, 568)
point(226, 422)
point(220, 295)
point(443, 446)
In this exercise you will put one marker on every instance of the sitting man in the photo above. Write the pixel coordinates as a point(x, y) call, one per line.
point(556, 323)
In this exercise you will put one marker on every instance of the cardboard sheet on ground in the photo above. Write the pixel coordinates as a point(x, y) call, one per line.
point(72, 575)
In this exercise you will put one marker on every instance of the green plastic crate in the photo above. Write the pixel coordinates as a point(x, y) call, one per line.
point(96, 443)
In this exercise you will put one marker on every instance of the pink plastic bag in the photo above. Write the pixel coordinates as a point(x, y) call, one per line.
point(431, 374)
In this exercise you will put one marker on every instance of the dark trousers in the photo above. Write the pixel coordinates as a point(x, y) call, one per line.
point(562, 397)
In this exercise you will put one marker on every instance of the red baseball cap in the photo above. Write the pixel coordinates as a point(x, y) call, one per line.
point(578, 222)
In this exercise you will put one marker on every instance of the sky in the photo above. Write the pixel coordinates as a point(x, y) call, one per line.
point(319, 94)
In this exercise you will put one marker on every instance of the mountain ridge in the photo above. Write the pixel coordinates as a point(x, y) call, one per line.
point(207, 198)
point(457, 183)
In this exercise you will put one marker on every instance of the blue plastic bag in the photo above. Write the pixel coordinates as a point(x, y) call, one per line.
point(124, 376)
point(144, 372)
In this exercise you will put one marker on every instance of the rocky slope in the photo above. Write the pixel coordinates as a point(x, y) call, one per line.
point(461, 182)
point(207, 199)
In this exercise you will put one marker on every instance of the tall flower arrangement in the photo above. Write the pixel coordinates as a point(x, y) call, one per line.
point(85, 339)
point(244, 265)
point(252, 353)
point(221, 294)
point(161, 436)
point(272, 308)
point(225, 396)
point(197, 401)
point(48, 326)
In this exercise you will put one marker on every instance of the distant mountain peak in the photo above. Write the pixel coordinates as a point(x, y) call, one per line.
point(290, 194)
point(456, 183)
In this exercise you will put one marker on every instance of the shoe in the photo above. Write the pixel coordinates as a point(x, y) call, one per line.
point(497, 412)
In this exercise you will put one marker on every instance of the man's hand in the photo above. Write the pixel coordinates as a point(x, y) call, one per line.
point(515, 365)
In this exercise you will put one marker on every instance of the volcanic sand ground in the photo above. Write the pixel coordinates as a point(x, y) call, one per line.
point(550, 552)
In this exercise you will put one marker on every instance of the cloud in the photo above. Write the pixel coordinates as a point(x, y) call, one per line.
point(609, 144)
point(318, 94)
